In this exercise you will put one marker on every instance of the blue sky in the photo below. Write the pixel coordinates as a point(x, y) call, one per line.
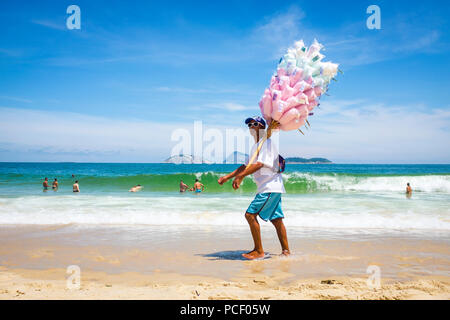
point(116, 89)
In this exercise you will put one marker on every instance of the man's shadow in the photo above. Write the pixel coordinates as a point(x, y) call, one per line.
point(229, 255)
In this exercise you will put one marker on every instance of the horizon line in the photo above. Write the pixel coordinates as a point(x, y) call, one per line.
point(345, 163)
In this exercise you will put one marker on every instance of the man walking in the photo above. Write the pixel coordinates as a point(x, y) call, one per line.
point(267, 202)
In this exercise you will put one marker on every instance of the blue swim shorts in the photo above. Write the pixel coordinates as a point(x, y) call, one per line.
point(267, 206)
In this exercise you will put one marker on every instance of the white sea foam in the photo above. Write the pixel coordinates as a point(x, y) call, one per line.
point(359, 212)
point(336, 182)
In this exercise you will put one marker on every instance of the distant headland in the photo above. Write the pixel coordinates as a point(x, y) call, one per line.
point(239, 157)
point(299, 160)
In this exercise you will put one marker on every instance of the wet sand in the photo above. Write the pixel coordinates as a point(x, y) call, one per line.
point(153, 262)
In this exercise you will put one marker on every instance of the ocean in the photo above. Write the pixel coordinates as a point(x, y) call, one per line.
point(337, 198)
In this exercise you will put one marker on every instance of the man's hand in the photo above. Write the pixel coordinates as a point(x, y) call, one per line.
point(222, 180)
point(237, 182)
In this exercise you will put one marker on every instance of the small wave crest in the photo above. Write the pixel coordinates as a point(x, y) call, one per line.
point(300, 211)
point(295, 182)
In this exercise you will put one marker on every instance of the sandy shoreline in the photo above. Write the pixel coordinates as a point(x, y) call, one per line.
point(51, 284)
point(199, 263)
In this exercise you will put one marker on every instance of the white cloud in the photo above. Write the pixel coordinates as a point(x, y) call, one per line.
point(278, 31)
point(343, 131)
point(17, 99)
point(351, 44)
point(11, 52)
point(230, 106)
point(359, 131)
point(33, 135)
point(50, 24)
point(54, 133)
point(192, 90)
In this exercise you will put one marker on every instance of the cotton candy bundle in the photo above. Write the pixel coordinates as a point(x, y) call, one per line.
point(295, 89)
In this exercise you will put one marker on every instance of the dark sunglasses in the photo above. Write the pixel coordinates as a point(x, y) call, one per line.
point(253, 124)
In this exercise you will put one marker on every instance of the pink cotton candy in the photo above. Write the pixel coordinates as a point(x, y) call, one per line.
point(310, 94)
point(293, 124)
point(281, 72)
point(275, 87)
point(278, 107)
point(276, 95)
point(275, 84)
point(288, 116)
point(284, 81)
point(287, 93)
point(302, 98)
point(301, 86)
point(318, 91)
point(303, 110)
point(312, 104)
point(301, 78)
point(291, 103)
point(266, 105)
point(273, 81)
point(295, 78)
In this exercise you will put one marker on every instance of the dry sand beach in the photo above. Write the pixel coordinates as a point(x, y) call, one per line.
point(206, 264)
point(50, 284)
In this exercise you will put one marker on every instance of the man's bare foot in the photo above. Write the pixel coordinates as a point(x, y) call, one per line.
point(253, 255)
point(285, 253)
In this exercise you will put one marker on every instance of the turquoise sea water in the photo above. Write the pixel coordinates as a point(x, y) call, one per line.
point(338, 197)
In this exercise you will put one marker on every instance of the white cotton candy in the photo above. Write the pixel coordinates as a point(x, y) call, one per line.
point(316, 70)
point(290, 56)
point(292, 52)
point(314, 49)
point(317, 58)
point(330, 69)
point(307, 72)
point(318, 81)
point(299, 44)
point(300, 64)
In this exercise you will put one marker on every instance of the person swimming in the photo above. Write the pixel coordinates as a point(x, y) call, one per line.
point(76, 187)
point(136, 188)
point(45, 184)
point(183, 186)
point(408, 190)
point(55, 185)
point(198, 186)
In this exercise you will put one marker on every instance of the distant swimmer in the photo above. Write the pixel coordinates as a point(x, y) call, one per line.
point(198, 187)
point(183, 186)
point(55, 184)
point(76, 187)
point(408, 190)
point(136, 188)
point(45, 184)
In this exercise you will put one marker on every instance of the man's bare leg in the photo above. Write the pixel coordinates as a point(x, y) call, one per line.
point(255, 229)
point(282, 235)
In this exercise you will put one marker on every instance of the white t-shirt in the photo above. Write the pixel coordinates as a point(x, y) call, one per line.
point(267, 178)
